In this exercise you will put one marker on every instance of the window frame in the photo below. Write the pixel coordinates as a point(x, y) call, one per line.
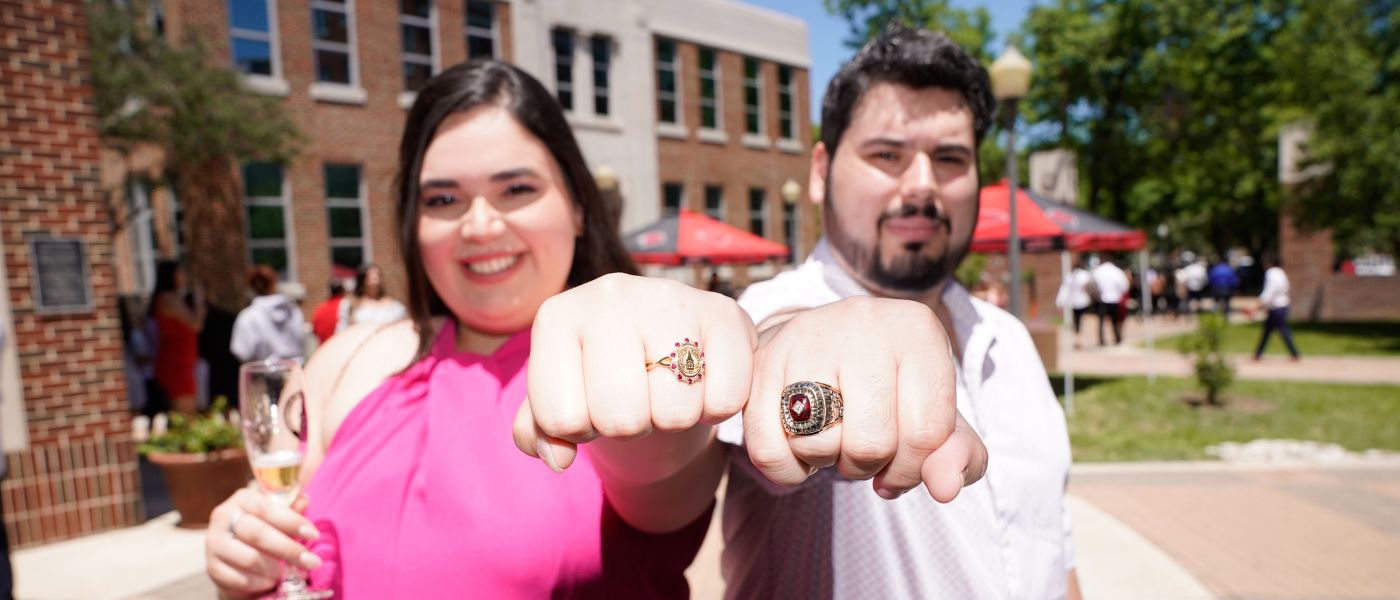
point(680, 198)
point(283, 201)
point(601, 92)
point(788, 90)
point(720, 208)
point(715, 73)
point(271, 37)
point(758, 213)
point(433, 58)
point(471, 30)
point(560, 59)
point(358, 203)
point(757, 108)
point(677, 94)
point(349, 47)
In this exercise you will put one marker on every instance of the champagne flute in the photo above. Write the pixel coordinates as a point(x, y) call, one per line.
point(270, 413)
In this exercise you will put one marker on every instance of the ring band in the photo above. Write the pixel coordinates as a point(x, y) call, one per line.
point(687, 362)
point(810, 407)
point(233, 522)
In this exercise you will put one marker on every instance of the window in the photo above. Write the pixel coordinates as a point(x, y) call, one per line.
point(481, 29)
point(266, 201)
point(416, 27)
point(563, 41)
point(709, 90)
point(672, 199)
point(790, 226)
point(155, 17)
point(141, 234)
point(345, 215)
point(602, 57)
point(332, 41)
point(756, 206)
point(753, 94)
point(667, 110)
point(714, 202)
point(785, 96)
point(253, 46)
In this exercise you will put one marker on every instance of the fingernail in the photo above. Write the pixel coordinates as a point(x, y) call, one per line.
point(887, 493)
point(309, 560)
point(308, 532)
point(546, 453)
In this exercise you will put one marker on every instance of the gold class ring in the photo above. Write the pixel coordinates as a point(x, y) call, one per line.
point(809, 407)
point(687, 362)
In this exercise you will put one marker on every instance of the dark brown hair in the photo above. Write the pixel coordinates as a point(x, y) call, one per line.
point(598, 251)
point(263, 279)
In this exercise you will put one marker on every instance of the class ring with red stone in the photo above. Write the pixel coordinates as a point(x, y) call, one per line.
point(810, 407)
point(687, 362)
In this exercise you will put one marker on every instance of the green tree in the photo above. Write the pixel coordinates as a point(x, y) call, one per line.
point(151, 92)
point(971, 29)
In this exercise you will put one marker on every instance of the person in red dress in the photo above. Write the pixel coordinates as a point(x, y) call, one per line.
point(327, 314)
point(177, 335)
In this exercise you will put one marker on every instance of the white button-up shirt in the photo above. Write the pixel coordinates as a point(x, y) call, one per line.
point(1275, 294)
point(1007, 536)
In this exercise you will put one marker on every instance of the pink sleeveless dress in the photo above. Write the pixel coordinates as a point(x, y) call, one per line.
point(423, 495)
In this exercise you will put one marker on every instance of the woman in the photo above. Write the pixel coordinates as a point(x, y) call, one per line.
point(271, 326)
point(415, 488)
point(178, 323)
point(368, 303)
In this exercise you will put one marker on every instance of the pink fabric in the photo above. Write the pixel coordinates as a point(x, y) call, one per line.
point(424, 495)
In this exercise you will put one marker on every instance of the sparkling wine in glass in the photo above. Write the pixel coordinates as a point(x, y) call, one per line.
point(270, 411)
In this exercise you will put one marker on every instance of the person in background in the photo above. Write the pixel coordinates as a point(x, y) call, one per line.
point(1113, 286)
point(1194, 276)
point(368, 304)
point(1223, 282)
point(327, 315)
point(1274, 299)
point(271, 326)
point(178, 321)
point(1074, 292)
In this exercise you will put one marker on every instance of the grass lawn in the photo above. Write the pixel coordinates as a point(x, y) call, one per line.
point(1366, 338)
point(1127, 420)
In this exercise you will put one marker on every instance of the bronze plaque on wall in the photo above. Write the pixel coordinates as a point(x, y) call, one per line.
point(62, 282)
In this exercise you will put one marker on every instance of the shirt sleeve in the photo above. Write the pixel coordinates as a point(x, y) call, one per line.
point(1067, 540)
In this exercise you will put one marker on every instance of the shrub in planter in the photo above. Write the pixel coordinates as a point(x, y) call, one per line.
point(202, 460)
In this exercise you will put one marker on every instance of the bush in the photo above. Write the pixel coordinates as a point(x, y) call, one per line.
point(196, 434)
point(1213, 372)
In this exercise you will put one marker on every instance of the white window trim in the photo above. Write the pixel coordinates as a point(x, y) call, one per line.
point(434, 60)
point(142, 234)
point(791, 91)
point(718, 100)
point(274, 84)
point(677, 128)
point(364, 241)
point(288, 226)
point(790, 146)
point(350, 47)
point(757, 142)
point(469, 30)
point(712, 136)
point(758, 80)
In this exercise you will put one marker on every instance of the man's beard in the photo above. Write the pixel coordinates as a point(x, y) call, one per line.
point(911, 270)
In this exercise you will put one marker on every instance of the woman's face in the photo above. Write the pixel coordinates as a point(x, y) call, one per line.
point(181, 279)
point(496, 225)
point(372, 282)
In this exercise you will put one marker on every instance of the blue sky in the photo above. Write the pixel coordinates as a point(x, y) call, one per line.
point(828, 33)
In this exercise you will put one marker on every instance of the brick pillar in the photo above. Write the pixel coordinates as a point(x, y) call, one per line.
point(1307, 257)
point(79, 474)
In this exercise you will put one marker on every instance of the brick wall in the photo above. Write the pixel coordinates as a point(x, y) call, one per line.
point(79, 474)
point(697, 163)
point(1320, 294)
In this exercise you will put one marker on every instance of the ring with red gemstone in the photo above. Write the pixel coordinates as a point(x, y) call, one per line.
point(810, 407)
point(687, 361)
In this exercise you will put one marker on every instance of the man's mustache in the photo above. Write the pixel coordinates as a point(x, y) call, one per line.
point(928, 211)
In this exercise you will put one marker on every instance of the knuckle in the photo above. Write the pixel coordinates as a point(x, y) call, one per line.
point(868, 451)
point(769, 459)
point(928, 438)
point(560, 425)
point(624, 425)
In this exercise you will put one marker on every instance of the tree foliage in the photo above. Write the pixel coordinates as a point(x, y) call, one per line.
point(148, 91)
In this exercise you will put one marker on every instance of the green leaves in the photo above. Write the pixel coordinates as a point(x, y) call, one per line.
point(150, 92)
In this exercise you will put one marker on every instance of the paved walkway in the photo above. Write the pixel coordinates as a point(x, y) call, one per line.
point(1133, 358)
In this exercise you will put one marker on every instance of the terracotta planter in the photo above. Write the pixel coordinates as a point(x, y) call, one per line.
point(199, 482)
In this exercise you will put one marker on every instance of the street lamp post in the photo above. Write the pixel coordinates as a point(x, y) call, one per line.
point(791, 192)
point(1011, 77)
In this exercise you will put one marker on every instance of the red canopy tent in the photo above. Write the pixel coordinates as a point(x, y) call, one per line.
point(693, 238)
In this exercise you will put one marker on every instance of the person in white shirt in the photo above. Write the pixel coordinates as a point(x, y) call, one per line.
point(1274, 299)
point(271, 326)
point(896, 176)
point(1195, 277)
point(1112, 283)
point(368, 303)
point(1074, 292)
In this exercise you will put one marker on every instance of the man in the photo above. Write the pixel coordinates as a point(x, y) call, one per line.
point(1194, 276)
point(1274, 299)
point(1223, 282)
point(326, 316)
point(1112, 284)
point(896, 176)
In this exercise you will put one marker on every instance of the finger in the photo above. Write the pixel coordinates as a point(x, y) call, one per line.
point(257, 529)
point(869, 430)
point(960, 461)
point(615, 382)
point(764, 436)
point(242, 557)
point(729, 347)
point(555, 453)
point(802, 363)
point(229, 578)
point(289, 522)
point(555, 388)
point(926, 400)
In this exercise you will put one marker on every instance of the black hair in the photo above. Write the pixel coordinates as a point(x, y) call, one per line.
point(598, 251)
point(913, 57)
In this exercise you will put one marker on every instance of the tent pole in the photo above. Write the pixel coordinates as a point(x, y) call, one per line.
point(1067, 347)
point(1147, 313)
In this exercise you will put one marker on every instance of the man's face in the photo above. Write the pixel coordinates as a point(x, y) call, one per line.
point(900, 195)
